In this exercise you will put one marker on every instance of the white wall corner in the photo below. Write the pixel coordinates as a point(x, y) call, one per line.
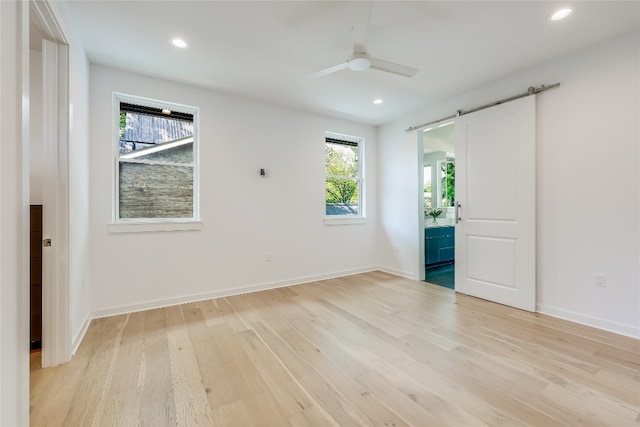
point(77, 340)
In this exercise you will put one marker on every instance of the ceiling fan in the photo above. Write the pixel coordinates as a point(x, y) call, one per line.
point(360, 59)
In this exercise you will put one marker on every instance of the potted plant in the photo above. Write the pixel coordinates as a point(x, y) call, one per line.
point(434, 213)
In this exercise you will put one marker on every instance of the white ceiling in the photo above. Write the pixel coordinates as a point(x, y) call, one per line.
point(267, 49)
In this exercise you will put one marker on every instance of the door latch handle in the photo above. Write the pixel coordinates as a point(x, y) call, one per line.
point(458, 206)
point(46, 243)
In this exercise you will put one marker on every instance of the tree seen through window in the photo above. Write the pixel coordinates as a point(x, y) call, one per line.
point(343, 180)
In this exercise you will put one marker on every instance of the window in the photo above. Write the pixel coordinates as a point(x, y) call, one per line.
point(428, 204)
point(448, 168)
point(156, 161)
point(439, 180)
point(344, 177)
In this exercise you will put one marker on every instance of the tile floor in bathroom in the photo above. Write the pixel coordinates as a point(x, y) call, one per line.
point(441, 275)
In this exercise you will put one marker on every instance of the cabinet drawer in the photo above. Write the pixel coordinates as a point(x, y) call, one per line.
point(432, 232)
point(447, 254)
point(448, 240)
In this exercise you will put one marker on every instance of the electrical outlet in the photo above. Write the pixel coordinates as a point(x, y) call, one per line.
point(268, 258)
point(601, 281)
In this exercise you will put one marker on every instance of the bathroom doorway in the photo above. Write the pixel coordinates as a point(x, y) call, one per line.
point(439, 204)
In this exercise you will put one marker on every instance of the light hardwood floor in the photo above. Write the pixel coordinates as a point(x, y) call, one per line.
point(369, 349)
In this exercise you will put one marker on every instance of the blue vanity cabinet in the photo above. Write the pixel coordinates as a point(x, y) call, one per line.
point(439, 245)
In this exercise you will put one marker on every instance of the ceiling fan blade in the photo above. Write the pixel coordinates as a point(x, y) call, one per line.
point(329, 70)
point(392, 67)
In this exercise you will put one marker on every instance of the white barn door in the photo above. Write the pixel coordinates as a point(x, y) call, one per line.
point(495, 188)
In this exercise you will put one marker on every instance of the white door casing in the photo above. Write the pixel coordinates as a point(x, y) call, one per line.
point(495, 187)
point(14, 213)
point(56, 343)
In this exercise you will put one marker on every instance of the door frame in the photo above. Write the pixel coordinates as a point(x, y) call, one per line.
point(421, 260)
point(56, 342)
point(421, 274)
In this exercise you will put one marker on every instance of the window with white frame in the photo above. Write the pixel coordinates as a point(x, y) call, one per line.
point(344, 186)
point(156, 167)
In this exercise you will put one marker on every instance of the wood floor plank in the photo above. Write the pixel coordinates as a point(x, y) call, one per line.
point(38, 380)
point(356, 307)
point(237, 364)
point(219, 312)
point(597, 409)
point(119, 408)
point(313, 416)
point(499, 390)
point(445, 392)
point(367, 349)
point(232, 414)
point(369, 405)
point(446, 411)
point(90, 393)
point(403, 405)
point(290, 396)
point(560, 369)
point(51, 406)
point(216, 377)
point(189, 394)
point(341, 410)
point(157, 405)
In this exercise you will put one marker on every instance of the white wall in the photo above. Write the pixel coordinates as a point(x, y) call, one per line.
point(14, 211)
point(400, 207)
point(245, 217)
point(587, 164)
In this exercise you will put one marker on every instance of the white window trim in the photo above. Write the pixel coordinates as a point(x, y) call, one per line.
point(345, 220)
point(137, 226)
point(119, 225)
point(351, 219)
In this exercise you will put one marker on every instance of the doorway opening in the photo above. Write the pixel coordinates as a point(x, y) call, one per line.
point(439, 204)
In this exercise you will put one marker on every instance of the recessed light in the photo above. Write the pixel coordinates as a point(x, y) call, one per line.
point(378, 101)
point(179, 43)
point(560, 14)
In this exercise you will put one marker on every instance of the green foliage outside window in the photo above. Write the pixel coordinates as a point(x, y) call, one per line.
point(449, 183)
point(123, 123)
point(342, 173)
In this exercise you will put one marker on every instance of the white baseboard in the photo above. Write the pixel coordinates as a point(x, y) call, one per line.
point(106, 312)
point(405, 274)
point(606, 325)
point(77, 340)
